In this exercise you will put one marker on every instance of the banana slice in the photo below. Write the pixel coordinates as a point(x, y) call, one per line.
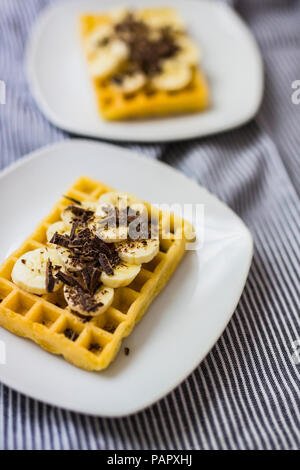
point(98, 38)
point(123, 275)
point(115, 230)
point(87, 305)
point(189, 53)
point(129, 82)
point(58, 227)
point(118, 14)
point(175, 75)
point(68, 216)
point(109, 58)
point(138, 251)
point(161, 18)
point(119, 199)
point(30, 271)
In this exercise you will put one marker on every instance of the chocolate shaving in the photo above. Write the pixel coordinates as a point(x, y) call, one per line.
point(85, 233)
point(60, 240)
point(50, 280)
point(80, 212)
point(86, 250)
point(86, 276)
point(72, 199)
point(84, 299)
point(99, 245)
point(94, 281)
point(73, 230)
point(105, 264)
point(146, 53)
point(130, 28)
point(66, 278)
point(94, 307)
point(91, 278)
point(76, 243)
point(70, 280)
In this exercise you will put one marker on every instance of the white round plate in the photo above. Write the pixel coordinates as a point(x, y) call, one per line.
point(181, 325)
point(58, 77)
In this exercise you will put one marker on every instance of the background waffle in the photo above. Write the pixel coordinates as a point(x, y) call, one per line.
point(114, 105)
point(48, 321)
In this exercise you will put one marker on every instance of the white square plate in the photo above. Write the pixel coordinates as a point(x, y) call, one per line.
point(181, 325)
point(59, 81)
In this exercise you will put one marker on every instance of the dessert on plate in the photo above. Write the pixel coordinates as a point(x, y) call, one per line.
point(86, 276)
point(143, 63)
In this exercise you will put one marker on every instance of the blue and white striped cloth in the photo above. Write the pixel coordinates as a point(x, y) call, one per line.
point(245, 394)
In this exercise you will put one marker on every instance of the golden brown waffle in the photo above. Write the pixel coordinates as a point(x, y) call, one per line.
point(49, 322)
point(114, 105)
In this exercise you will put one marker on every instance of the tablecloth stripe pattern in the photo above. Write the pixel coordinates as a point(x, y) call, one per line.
point(245, 394)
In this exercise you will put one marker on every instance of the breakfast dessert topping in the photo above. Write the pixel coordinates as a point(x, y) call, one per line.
point(136, 51)
point(96, 248)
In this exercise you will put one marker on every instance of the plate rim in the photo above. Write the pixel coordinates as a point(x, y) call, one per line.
point(54, 118)
point(135, 155)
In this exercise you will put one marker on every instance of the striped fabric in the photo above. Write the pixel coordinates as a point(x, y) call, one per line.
point(245, 394)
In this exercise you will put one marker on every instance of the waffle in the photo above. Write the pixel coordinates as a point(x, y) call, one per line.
point(49, 322)
point(114, 105)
